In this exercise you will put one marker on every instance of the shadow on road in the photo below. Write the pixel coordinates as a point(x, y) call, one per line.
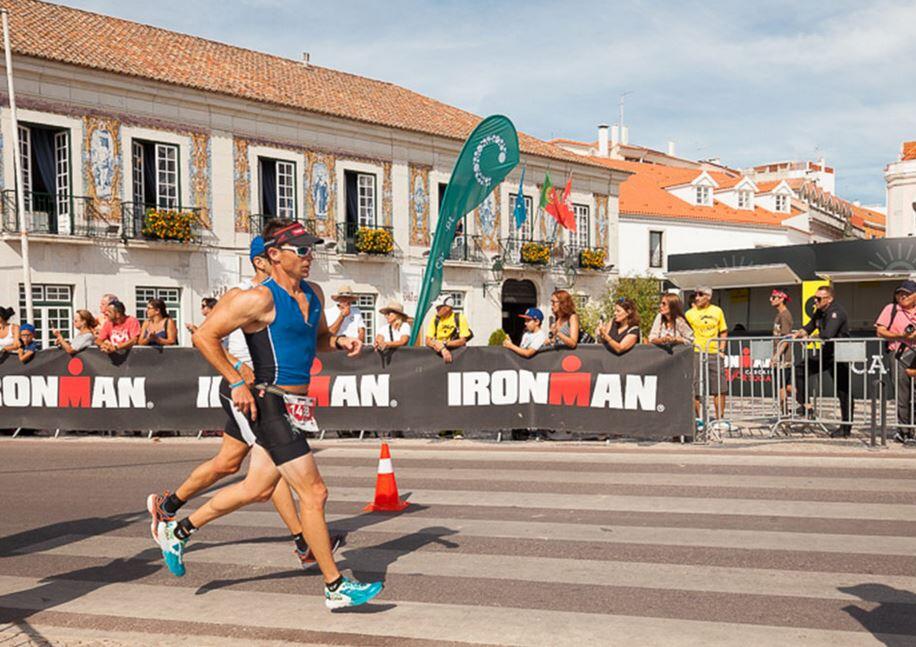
point(893, 620)
point(370, 563)
point(61, 588)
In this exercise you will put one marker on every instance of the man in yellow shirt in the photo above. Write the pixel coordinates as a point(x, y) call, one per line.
point(449, 330)
point(708, 324)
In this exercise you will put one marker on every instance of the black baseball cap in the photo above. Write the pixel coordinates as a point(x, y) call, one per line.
point(907, 286)
point(295, 235)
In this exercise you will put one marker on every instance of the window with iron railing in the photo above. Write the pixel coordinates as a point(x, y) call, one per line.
point(580, 237)
point(155, 174)
point(526, 231)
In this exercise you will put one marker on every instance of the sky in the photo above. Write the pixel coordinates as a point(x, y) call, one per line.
point(748, 83)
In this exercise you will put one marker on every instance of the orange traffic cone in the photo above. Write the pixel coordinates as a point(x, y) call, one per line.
point(386, 488)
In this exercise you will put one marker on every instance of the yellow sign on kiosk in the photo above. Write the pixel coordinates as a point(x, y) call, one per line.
point(808, 305)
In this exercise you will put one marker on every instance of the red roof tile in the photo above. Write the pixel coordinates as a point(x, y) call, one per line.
point(909, 151)
point(645, 194)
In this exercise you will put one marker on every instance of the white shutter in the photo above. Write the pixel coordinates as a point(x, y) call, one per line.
point(62, 176)
point(285, 183)
point(166, 176)
point(139, 182)
point(25, 159)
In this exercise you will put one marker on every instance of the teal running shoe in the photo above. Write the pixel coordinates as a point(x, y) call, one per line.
point(351, 593)
point(172, 547)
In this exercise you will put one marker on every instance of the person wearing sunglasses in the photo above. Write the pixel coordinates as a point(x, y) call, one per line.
point(284, 325)
point(831, 322)
point(782, 328)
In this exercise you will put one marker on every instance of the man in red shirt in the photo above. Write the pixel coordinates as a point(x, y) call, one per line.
point(120, 331)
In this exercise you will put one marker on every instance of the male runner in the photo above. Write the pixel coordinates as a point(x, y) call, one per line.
point(284, 325)
point(237, 437)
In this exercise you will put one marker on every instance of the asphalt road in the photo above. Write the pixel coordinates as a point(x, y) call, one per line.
point(537, 544)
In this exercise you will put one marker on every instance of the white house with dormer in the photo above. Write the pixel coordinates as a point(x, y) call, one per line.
point(670, 205)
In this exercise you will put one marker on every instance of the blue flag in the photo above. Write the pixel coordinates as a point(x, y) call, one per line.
point(521, 213)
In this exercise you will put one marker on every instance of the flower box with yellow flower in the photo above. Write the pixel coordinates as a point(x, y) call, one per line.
point(374, 240)
point(169, 224)
point(534, 253)
point(592, 258)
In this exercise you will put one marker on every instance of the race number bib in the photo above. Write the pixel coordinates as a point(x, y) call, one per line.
point(300, 411)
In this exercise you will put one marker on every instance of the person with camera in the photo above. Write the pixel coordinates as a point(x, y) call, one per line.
point(897, 325)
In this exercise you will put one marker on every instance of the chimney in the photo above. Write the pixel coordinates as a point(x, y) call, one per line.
point(624, 135)
point(305, 59)
point(671, 149)
point(615, 134)
point(602, 140)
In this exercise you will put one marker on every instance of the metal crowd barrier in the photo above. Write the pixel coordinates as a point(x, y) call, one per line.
point(785, 385)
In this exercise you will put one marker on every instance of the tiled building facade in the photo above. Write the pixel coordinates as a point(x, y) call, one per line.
point(109, 137)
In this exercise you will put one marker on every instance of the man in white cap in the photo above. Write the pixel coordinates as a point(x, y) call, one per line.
point(448, 331)
point(344, 319)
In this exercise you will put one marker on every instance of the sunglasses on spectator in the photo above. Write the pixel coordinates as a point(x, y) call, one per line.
point(820, 298)
point(301, 252)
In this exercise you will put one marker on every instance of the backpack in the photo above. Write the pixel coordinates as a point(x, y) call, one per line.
point(456, 331)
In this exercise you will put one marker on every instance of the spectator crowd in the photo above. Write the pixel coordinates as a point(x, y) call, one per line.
point(702, 325)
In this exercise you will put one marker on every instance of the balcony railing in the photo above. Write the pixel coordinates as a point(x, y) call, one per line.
point(524, 251)
point(257, 221)
point(466, 248)
point(353, 238)
point(583, 256)
point(178, 224)
point(56, 215)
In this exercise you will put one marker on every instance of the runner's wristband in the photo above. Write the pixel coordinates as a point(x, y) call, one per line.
point(237, 365)
point(236, 385)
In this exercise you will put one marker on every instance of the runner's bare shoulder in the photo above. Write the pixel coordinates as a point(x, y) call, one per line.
point(254, 308)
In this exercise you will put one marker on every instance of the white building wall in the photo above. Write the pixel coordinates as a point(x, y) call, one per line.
point(901, 196)
point(684, 237)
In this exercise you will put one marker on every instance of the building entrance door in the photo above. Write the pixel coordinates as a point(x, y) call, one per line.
point(517, 297)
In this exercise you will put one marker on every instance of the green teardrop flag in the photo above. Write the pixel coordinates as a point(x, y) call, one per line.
point(486, 158)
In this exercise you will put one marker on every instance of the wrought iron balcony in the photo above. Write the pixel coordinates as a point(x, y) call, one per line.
point(62, 215)
point(353, 238)
point(257, 221)
point(178, 224)
point(525, 251)
point(466, 248)
point(583, 257)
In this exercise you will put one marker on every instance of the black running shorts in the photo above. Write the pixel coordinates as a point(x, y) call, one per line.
point(273, 431)
point(237, 425)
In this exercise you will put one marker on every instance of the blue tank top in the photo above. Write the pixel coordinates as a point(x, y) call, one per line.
point(283, 352)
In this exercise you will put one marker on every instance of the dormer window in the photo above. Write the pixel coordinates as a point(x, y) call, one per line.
point(704, 196)
point(782, 203)
point(744, 199)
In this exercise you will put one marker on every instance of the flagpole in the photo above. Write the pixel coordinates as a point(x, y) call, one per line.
point(17, 167)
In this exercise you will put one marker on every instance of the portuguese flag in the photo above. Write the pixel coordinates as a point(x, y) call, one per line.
point(546, 190)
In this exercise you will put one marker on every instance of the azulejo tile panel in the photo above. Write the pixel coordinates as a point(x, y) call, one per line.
point(419, 205)
point(242, 184)
point(487, 217)
point(321, 192)
point(102, 165)
point(201, 165)
point(601, 221)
